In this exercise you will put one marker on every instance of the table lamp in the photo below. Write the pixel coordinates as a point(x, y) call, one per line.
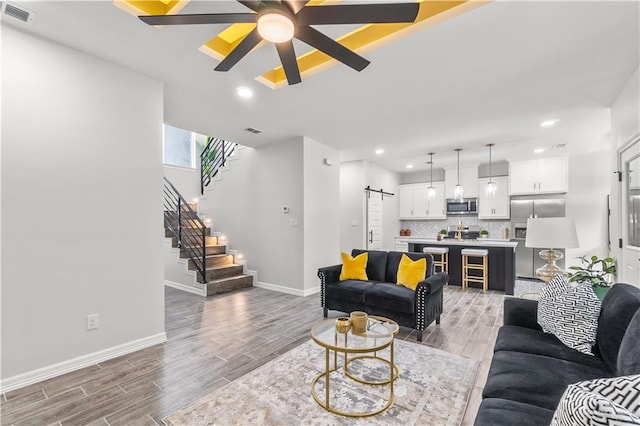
point(555, 233)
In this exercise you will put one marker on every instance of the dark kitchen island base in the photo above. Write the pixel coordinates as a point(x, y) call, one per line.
point(502, 274)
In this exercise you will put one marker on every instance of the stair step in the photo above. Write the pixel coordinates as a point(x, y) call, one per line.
point(211, 249)
point(187, 231)
point(185, 214)
point(228, 284)
point(222, 272)
point(209, 241)
point(215, 261)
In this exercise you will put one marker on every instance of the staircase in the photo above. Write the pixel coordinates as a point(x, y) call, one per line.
point(215, 269)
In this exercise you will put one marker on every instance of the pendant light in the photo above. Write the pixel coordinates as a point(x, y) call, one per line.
point(490, 189)
point(431, 190)
point(458, 192)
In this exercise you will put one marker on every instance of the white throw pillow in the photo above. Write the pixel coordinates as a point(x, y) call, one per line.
point(610, 401)
point(570, 312)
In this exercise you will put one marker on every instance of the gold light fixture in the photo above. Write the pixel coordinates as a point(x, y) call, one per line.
point(490, 189)
point(275, 25)
point(458, 192)
point(431, 190)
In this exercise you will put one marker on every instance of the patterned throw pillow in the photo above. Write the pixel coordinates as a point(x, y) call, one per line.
point(610, 401)
point(570, 312)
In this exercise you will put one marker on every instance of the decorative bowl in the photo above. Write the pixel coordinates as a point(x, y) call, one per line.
point(343, 325)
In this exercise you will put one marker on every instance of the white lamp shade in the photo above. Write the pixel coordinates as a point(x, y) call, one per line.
point(551, 232)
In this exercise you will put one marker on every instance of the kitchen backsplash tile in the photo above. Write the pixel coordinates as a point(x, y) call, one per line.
point(430, 228)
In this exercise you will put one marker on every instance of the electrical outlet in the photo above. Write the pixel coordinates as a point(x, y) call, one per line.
point(92, 322)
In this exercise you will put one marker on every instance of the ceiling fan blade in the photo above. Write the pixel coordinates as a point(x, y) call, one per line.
point(195, 19)
point(251, 4)
point(358, 14)
point(325, 44)
point(289, 62)
point(295, 5)
point(244, 47)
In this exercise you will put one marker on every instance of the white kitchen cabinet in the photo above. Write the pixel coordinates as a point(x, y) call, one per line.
point(468, 180)
point(415, 204)
point(402, 245)
point(494, 207)
point(539, 176)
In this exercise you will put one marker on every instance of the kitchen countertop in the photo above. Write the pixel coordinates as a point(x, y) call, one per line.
point(480, 242)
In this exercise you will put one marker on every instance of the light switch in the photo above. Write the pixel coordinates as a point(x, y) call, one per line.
point(293, 222)
point(355, 223)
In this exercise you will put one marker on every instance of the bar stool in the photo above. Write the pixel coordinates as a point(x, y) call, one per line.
point(443, 257)
point(468, 253)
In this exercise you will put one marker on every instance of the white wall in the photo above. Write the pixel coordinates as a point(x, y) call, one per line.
point(186, 180)
point(246, 206)
point(354, 177)
point(321, 210)
point(81, 207)
point(352, 207)
point(586, 203)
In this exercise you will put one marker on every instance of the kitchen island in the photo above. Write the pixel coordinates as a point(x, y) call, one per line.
point(502, 272)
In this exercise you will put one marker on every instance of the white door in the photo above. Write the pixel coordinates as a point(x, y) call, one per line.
point(374, 220)
point(437, 206)
point(552, 174)
point(629, 264)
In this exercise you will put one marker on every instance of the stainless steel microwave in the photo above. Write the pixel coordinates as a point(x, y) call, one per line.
point(466, 206)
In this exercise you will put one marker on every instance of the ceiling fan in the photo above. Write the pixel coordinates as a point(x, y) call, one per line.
point(279, 21)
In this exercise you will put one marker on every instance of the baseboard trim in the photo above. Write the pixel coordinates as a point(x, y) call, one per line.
point(312, 290)
point(287, 290)
point(35, 376)
point(279, 288)
point(187, 288)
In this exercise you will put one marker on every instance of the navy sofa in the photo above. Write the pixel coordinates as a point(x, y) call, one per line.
point(380, 295)
point(531, 369)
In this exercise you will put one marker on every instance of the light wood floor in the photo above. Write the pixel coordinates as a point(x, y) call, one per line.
point(216, 340)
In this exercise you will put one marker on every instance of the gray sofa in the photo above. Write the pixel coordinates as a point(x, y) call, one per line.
point(531, 369)
point(380, 295)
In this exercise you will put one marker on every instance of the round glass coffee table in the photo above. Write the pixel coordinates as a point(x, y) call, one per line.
point(379, 335)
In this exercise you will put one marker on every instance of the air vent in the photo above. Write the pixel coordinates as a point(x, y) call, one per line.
point(18, 13)
point(559, 145)
point(252, 130)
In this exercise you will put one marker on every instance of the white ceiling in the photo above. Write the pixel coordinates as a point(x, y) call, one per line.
point(490, 75)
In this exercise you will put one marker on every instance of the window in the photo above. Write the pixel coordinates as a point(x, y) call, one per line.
point(178, 147)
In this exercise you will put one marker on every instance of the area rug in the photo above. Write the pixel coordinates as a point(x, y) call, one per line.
point(432, 388)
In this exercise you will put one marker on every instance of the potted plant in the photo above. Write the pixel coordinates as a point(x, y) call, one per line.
point(443, 232)
point(595, 272)
point(484, 233)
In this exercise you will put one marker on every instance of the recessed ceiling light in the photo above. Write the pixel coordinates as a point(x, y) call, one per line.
point(244, 92)
point(538, 150)
point(379, 151)
point(548, 123)
point(409, 166)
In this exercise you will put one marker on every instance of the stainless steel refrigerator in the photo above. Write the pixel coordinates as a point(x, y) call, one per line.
point(522, 208)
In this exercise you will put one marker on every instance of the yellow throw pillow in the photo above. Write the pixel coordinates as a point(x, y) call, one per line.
point(354, 268)
point(410, 273)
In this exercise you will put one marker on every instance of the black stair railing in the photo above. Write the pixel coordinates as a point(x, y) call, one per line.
point(214, 156)
point(187, 227)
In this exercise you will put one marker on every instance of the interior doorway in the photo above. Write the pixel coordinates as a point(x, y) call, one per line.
point(374, 220)
point(629, 263)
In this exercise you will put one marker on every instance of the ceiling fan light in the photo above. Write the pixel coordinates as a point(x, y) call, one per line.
point(275, 26)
